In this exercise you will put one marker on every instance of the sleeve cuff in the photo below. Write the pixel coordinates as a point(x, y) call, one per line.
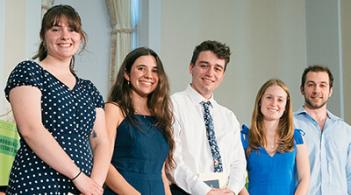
point(200, 188)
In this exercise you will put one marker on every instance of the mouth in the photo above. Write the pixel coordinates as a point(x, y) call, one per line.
point(64, 44)
point(208, 80)
point(316, 98)
point(147, 82)
point(273, 109)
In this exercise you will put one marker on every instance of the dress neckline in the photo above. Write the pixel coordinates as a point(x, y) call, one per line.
point(62, 83)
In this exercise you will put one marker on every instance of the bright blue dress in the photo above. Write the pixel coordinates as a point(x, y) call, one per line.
point(271, 175)
point(140, 150)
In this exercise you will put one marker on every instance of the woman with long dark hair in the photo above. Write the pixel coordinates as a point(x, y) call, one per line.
point(139, 122)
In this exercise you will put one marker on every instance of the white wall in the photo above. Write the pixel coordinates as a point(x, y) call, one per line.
point(2, 56)
point(19, 35)
point(267, 39)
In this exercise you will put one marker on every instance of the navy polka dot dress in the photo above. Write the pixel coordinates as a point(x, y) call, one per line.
point(68, 115)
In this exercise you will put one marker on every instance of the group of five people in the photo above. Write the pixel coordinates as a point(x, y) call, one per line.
point(144, 141)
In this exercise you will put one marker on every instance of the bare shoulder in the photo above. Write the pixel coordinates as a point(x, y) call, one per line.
point(113, 112)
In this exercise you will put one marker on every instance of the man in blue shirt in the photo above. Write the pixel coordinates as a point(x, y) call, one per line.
point(327, 136)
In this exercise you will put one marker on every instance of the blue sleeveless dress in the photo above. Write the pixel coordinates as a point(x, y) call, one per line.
point(139, 153)
point(271, 175)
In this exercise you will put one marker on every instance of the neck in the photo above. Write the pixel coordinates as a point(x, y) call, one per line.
point(206, 95)
point(270, 127)
point(58, 65)
point(140, 104)
point(318, 114)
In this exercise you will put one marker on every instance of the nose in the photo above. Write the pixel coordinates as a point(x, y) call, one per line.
point(274, 101)
point(210, 70)
point(148, 74)
point(65, 34)
point(316, 89)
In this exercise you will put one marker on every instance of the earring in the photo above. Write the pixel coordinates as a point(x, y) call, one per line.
point(128, 82)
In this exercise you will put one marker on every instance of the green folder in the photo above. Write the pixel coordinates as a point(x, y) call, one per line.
point(9, 144)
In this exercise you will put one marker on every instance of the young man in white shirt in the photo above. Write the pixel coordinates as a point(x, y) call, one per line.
point(204, 157)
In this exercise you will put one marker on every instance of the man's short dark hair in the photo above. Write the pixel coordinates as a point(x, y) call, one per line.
point(221, 50)
point(317, 68)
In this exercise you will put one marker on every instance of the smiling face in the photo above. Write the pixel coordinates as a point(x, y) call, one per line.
point(61, 40)
point(273, 103)
point(143, 76)
point(207, 73)
point(316, 90)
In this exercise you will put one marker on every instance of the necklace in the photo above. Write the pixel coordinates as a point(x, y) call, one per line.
point(272, 145)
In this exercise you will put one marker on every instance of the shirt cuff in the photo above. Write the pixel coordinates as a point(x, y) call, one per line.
point(200, 188)
point(236, 188)
point(236, 191)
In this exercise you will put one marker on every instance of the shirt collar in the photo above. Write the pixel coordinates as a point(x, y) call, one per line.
point(302, 111)
point(198, 98)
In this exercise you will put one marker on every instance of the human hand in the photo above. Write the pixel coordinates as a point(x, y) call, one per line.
point(87, 186)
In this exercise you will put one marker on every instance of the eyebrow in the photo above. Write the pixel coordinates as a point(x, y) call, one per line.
point(216, 65)
point(144, 65)
point(323, 82)
point(203, 62)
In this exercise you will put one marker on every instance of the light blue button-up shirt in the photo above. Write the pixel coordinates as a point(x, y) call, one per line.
point(329, 153)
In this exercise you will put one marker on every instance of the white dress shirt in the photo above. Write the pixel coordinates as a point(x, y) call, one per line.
point(192, 152)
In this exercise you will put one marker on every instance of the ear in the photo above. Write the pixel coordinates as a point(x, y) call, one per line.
point(191, 66)
point(126, 76)
point(302, 90)
point(330, 92)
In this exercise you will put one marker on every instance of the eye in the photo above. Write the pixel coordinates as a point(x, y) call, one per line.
point(155, 70)
point(218, 69)
point(141, 68)
point(55, 29)
point(323, 85)
point(310, 85)
point(269, 97)
point(203, 65)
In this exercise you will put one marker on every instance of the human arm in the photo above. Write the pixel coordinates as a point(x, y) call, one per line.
point(303, 169)
point(244, 191)
point(26, 105)
point(238, 174)
point(184, 177)
point(100, 146)
point(115, 180)
point(165, 182)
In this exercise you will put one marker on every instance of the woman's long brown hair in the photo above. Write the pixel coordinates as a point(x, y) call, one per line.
point(158, 101)
point(286, 127)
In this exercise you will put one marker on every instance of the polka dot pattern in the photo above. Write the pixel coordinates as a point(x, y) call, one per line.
point(68, 115)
